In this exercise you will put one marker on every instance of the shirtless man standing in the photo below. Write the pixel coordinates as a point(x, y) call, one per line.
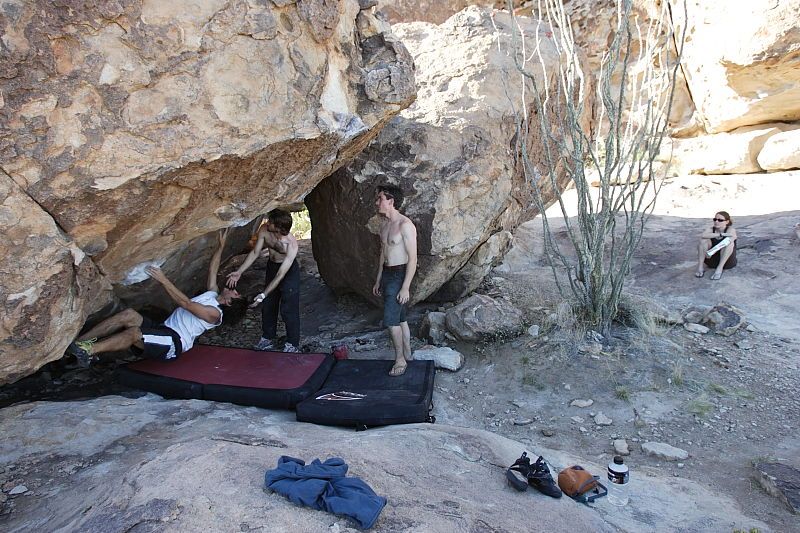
point(282, 290)
point(396, 269)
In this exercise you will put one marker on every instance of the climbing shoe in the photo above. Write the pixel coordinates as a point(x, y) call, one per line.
point(82, 350)
point(517, 474)
point(539, 478)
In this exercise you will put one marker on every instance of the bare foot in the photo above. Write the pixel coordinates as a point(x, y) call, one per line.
point(716, 275)
point(398, 369)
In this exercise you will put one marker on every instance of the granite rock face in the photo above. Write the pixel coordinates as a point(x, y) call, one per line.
point(781, 151)
point(453, 154)
point(755, 81)
point(433, 11)
point(99, 465)
point(735, 152)
point(139, 127)
point(48, 287)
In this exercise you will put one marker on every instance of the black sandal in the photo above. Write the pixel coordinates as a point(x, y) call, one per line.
point(517, 474)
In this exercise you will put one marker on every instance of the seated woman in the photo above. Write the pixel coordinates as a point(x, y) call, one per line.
point(724, 258)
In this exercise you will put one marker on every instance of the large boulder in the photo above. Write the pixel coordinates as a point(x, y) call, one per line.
point(755, 81)
point(593, 25)
point(452, 152)
point(140, 127)
point(735, 152)
point(781, 151)
point(48, 287)
point(433, 11)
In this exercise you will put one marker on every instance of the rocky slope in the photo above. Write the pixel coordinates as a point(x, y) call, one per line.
point(193, 465)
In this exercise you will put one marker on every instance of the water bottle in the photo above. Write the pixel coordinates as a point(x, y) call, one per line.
point(618, 477)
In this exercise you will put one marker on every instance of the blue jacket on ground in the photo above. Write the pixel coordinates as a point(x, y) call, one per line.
point(324, 486)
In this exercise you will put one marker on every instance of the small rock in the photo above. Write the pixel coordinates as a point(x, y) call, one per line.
point(434, 328)
point(567, 386)
point(695, 328)
point(782, 481)
point(592, 348)
point(743, 345)
point(443, 357)
point(334, 528)
point(498, 317)
point(19, 489)
point(664, 451)
point(533, 331)
point(693, 317)
point(522, 421)
point(577, 419)
point(724, 319)
point(547, 432)
point(621, 447)
point(3, 498)
point(602, 420)
point(581, 403)
point(518, 403)
point(582, 429)
point(364, 345)
point(751, 328)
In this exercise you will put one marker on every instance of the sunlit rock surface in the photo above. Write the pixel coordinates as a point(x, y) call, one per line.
point(138, 127)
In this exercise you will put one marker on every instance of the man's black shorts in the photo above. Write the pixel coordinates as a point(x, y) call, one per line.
point(160, 342)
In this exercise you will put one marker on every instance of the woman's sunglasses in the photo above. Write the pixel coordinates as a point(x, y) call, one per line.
point(718, 219)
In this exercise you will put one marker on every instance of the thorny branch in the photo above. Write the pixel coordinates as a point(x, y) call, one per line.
point(632, 102)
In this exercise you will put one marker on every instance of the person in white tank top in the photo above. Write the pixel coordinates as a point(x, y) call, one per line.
point(129, 329)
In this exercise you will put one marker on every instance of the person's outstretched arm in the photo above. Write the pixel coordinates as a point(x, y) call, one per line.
point(233, 277)
point(213, 267)
point(291, 254)
point(204, 312)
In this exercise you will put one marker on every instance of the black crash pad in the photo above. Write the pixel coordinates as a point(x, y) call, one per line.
point(361, 394)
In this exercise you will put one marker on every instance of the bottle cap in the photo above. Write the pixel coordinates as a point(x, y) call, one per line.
point(618, 460)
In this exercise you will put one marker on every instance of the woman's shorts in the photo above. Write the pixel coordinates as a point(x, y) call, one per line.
point(713, 261)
